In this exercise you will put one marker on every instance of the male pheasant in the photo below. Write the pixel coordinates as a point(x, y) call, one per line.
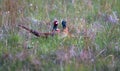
point(55, 30)
point(64, 32)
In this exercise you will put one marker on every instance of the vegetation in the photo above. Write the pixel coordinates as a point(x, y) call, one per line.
point(94, 44)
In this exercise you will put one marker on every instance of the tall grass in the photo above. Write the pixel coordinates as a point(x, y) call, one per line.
point(93, 46)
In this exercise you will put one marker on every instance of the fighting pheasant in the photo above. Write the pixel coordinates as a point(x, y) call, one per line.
point(55, 30)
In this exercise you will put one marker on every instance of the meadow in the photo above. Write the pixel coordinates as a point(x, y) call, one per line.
point(93, 44)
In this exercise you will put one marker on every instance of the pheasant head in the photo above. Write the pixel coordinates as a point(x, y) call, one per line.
point(55, 27)
point(64, 24)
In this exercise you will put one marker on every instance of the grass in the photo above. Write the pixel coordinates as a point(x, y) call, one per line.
point(94, 24)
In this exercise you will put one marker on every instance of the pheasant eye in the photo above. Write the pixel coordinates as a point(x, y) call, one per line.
point(55, 22)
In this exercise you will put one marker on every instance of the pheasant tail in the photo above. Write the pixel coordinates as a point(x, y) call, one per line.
point(30, 30)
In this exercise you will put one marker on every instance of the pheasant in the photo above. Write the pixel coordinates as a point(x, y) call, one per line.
point(55, 30)
point(64, 32)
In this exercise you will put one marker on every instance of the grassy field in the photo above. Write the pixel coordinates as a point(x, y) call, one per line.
point(93, 46)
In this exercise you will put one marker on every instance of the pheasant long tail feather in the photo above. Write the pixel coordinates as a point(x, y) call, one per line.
point(30, 30)
point(36, 33)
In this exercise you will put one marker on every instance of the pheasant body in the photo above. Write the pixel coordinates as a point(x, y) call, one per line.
point(64, 32)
